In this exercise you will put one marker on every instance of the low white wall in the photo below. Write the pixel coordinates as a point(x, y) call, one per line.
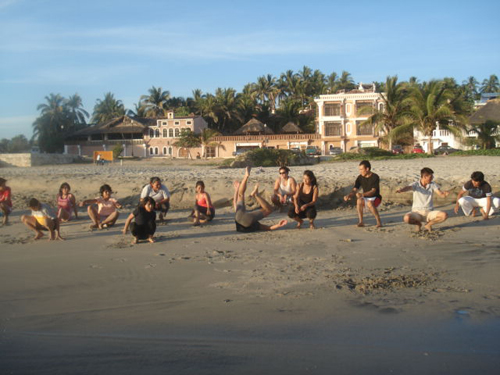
point(34, 159)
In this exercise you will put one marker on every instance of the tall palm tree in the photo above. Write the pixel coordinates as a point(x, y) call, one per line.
point(471, 85)
point(394, 111)
point(155, 104)
point(345, 81)
point(429, 105)
point(490, 84)
point(76, 112)
point(52, 124)
point(227, 109)
point(107, 109)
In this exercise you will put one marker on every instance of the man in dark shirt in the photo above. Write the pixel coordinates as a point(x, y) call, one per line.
point(370, 197)
point(479, 195)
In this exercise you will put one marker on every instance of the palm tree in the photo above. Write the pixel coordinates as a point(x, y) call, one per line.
point(471, 85)
point(226, 109)
point(393, 114)
point(207, 140)
point(107, 109)
point(155, 104)
point(429, 105)
point(345, 82)
point(52, 124)
point(76, 112)
point(487, 134)
point(188, 140)
point(490, 84)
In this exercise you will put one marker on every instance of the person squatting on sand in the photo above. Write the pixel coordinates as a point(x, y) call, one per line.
point(284, 188)
point(422, 209)
point(370, 198)
point(304, 200)
point(106, 214)
point(204, 210)
point(249, 221)
point(144, 225)
point(42, 218)
point(159, 193)
point(66, 203)
point(5, 201)
point(479, 196)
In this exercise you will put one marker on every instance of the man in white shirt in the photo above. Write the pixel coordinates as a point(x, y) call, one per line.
point(422, 209)
point(159, 193)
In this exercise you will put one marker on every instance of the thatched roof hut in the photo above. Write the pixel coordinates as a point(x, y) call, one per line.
point(291, 128)
point(253, 126)
point(490, 111)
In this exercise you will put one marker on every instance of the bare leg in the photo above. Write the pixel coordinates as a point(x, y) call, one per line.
point(442, 216)
point(31, 223)
point(375, 213)
point(111, 219)
point(360, 204)
point(135, 240)
point(311, 224)
point(243, 185)
point(5, 211)
point(236, 185)
point(63, 215)
point(93, 216)
point(409, 220)
point(266, 207)
point(151, 239)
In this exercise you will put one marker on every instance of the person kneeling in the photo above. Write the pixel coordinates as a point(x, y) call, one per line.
point(144, 226)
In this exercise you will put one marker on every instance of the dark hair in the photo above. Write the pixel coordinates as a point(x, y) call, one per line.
point(2, 181)
point(152, 180)
point(366, 164)
point(64, 185)
point(284, 168)
point(311, 176)
point(104, 188)
point(146, 200)
point(33, 203)
point(477, 176)
point(200, 183)
point(426, 171)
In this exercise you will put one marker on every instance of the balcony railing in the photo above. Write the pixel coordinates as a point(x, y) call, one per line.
point(268, 137)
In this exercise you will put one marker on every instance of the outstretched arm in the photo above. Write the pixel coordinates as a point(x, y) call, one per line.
point(404, 189)
point(127, 223)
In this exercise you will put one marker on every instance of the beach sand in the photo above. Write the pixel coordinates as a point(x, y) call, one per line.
point(209, 300)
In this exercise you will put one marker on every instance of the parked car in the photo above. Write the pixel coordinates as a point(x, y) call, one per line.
point(444, 150)
point(417, 149)
point(397, 150)
point(312, 150)
point(335, 151)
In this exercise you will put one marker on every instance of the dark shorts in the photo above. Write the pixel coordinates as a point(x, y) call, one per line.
point(252, 228)
point(143, 232)
point(309, 213)
point(203, 210)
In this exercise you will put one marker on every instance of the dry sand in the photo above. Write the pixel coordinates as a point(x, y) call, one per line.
point(209, 300)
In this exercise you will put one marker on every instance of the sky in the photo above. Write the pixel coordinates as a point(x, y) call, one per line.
point(125, 47)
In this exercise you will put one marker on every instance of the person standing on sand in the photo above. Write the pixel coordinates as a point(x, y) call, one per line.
point(422, 209)
point(370, 197)
point(479, 196)
point(304, 201)
point(159, 192)
point(249, 221)
point(284, 188)
point(5, 201)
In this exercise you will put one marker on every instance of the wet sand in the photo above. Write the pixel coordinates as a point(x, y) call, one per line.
point(208, 300)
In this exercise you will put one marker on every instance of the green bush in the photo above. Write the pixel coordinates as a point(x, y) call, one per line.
point(271, 157)
point(374, 153)
point(117, 151)
point(491, 152)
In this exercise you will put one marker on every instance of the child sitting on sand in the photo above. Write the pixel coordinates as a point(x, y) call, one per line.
point(106, 214)
point(5, 201)
point(42, 218)
point(144, 226)
point(203, 211)
point(66, 203)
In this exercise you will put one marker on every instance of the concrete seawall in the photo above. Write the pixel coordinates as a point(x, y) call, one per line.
point(35, 159)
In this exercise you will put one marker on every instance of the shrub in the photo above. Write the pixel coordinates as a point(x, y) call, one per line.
point(490, 152)
point(117, 150)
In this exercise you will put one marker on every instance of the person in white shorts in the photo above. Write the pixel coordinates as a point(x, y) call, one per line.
point(422, 209)
point(479, 195)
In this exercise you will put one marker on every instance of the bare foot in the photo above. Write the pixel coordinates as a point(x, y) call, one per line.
point(134, 241)
point(196, 223)
point(282, 223)
point(428, 228)
point(247, 170)
point(379, 225)
point(60, 238)
point(360, 225)
point(93, 226)
point(299, 225)
point(255, 191)
point(151, 240)
point(38, 236)
point(312, 226)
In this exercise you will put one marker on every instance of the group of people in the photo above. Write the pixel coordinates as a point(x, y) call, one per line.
point(299, 198)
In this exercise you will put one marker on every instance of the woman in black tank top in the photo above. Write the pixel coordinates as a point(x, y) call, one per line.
point(304, 201)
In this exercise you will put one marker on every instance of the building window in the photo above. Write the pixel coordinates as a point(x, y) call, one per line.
point(164, 151)
point(165, 133)
point(189, 122)
point(177, 123)
point(156, 150)
point(171, 133)
point(210, 152)
point(151, 133)
point(333, 129)
point(332, 109)
point(364, 109)
point(164, 123)
point(366, 129)
point(170, 151)
point(157, 133)
point(151, 151)
point(177, 133)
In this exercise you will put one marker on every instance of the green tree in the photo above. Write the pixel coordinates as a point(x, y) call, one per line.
point(77, 114)
point(188, 140)
point(207, 140)
point(107, 109)
point(155, 104)
point(487, 134)
point(490, 84)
